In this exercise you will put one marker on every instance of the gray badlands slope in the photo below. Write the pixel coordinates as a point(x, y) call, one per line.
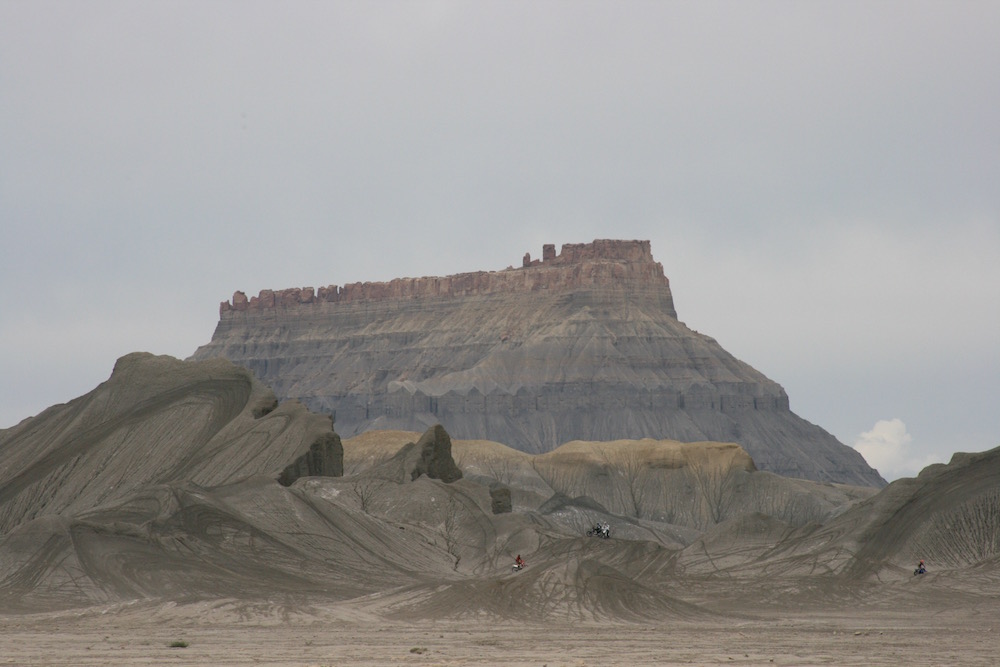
point(182, 481)
point(583, 345)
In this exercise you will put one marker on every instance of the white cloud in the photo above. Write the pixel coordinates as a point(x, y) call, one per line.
point(887, 448)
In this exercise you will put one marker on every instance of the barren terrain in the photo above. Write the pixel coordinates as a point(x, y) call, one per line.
point(141, 635)
point(177, 503)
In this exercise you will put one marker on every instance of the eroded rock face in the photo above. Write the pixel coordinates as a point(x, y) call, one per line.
point(500, 499)
point(580, 345)
point(431, 456)
point(158, 420)
point(325, 458)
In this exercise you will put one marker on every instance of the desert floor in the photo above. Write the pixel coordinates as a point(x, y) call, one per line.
point(142, 636)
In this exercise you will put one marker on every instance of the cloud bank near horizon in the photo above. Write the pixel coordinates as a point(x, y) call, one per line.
point(887, 448)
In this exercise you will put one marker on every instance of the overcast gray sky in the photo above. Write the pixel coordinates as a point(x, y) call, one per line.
point(821, 181)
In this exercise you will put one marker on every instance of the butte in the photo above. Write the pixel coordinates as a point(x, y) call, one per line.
point(580, 345)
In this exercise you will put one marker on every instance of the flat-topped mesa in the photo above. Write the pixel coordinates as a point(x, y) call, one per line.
point(580, 345)
point(603, 263)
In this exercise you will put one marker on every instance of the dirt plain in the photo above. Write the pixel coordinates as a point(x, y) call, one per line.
point(142, 636)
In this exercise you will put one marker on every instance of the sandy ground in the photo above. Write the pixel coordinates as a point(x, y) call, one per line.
point(144, 638)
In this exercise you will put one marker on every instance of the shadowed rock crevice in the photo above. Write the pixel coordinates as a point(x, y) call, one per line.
point(325, 458)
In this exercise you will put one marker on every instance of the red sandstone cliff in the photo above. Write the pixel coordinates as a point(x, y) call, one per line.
point(602, 263)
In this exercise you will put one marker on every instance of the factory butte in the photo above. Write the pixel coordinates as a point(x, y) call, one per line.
point(597, 264)
point(583, 344)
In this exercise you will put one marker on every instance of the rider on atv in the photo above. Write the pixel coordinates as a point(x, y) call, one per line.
point(600, 530)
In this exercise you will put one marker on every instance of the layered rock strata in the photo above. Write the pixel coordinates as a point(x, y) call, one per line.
point(584, 344)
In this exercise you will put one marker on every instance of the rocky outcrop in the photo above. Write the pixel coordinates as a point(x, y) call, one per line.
point(500, 499)
point(157, 420)
point(325, 458)
point(584, 344)
point(431, 456)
